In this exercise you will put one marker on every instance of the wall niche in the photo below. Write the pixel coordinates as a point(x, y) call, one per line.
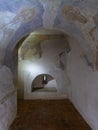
point(44, 83)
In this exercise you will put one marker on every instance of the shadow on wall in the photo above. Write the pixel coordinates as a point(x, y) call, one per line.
point(44, 83)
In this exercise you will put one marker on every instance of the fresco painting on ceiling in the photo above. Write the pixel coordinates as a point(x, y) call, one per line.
point(73, 14)
point(28, 15)
point(25, 14)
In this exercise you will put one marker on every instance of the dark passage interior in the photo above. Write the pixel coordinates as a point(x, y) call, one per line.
point(48, 115)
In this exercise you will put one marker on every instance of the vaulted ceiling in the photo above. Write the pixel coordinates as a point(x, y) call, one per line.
point(77, 18)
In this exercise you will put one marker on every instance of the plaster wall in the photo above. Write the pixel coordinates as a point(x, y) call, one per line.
point(84, 85)
point(8, 98)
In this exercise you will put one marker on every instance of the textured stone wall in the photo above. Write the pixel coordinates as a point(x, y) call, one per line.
point(17, 22)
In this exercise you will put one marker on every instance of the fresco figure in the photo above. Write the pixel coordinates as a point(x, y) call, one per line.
point(73, 14)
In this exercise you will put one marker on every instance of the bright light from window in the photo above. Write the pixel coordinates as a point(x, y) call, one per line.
point(44, 77)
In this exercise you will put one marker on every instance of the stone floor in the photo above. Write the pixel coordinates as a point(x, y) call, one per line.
point(48, 115)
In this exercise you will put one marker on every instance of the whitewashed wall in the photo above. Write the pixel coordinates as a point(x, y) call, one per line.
point(84, 86)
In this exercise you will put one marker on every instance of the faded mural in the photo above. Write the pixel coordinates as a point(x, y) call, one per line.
point(78, 18)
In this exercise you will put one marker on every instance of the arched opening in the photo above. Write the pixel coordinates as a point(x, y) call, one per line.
point(44, 83)
point(43, 51)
